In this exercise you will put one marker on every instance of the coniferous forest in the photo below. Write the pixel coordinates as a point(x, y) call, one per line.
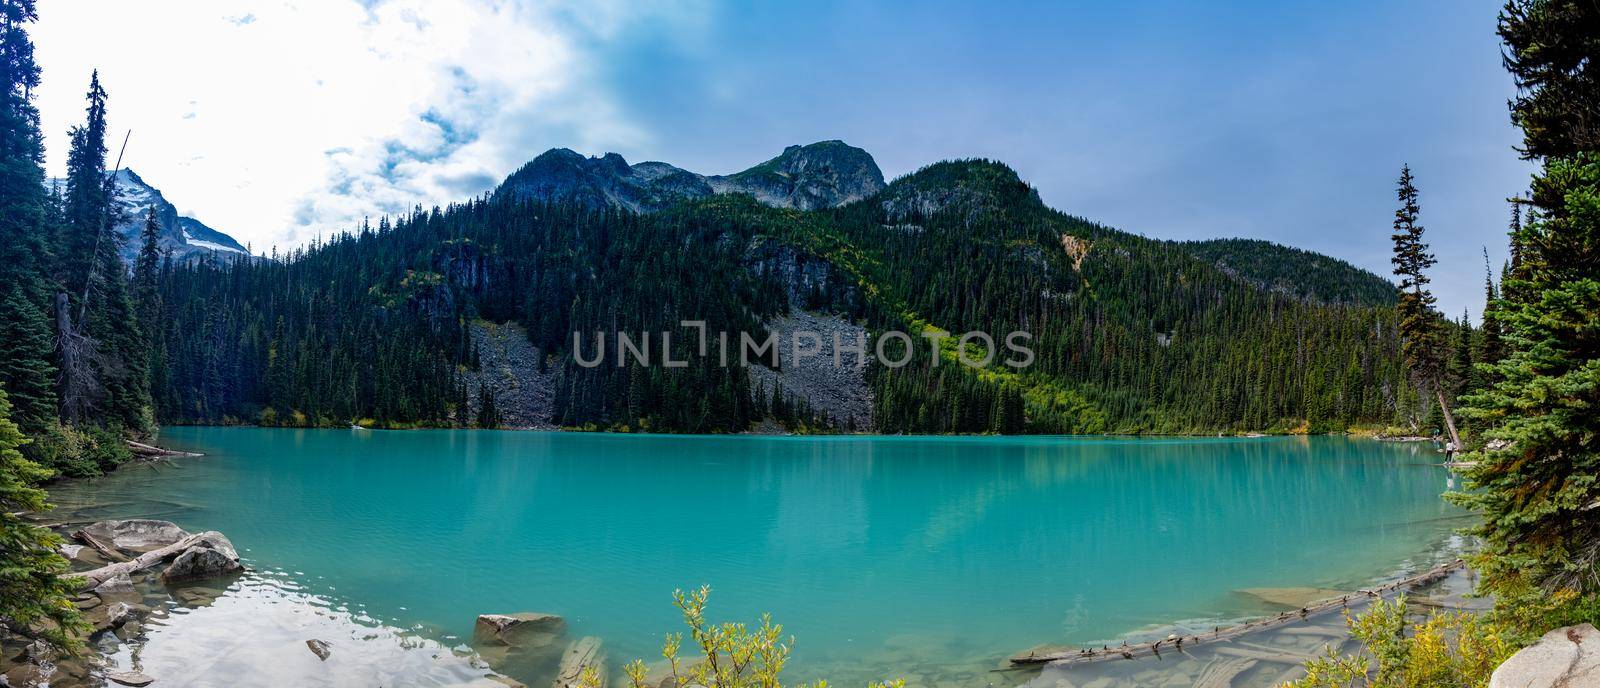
point(380, 324)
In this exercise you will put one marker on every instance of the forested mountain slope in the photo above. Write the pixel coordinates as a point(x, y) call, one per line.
point(1294, 271)
point(1130, 334)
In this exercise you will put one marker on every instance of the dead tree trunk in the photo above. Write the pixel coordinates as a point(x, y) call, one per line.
point(1449, 419)
point(75, 385)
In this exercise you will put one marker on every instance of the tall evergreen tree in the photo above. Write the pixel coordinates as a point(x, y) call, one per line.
point(104, 356)
point(1538, 479)
point(1420, 331)
point(26, 365)
point(25, 360)
point(1491, 343)
point(31, 587)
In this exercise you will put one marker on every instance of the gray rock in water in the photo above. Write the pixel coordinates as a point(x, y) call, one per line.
point(137, 535)
point(211, 557)
point(119, 584)
point(522, 629)
point(320, 648)
point(119, 613)
point(1564, 658)
point(130, 678)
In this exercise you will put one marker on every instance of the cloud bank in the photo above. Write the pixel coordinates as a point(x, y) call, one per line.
point(276, 120)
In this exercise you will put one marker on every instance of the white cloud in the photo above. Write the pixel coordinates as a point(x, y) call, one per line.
point(272, 120)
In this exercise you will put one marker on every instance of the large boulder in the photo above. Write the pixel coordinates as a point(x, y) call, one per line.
point(521, 644)
point(1564, 658)
point(136, 534)
point(522, 629)
point(211, 556)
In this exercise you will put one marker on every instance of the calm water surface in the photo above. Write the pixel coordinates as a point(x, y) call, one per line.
point(875, 551)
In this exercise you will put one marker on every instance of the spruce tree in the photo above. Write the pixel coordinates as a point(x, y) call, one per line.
point(25, 360)
point(32, 590)
point(1537, 480)
point(488, 414)
point(26, 363)
point(1420, 338)
point(1491, 344)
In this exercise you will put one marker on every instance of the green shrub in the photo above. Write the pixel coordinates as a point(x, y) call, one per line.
point(726, 655)
point(80, 451)
point(1448, 650)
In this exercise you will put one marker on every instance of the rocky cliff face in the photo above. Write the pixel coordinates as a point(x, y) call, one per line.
point(821, 175)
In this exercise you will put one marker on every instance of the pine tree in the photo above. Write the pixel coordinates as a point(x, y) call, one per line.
point(1536, 480)
point(1420, 339)
point(104, 355)
point(26, 365)
point(25, 360)
point(1491, 344)
point(32, 590)
point(488, 415)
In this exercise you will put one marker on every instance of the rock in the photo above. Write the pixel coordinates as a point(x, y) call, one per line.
point(507, 681)
point(120, 584)
point(580, 656)
point(320, 648)
point(197, 597)
point(136, 535)
point(130, 678)
point(1564, 658)
point(129, 631)
point(211, 557)
point(119, 613)
point(522, 629)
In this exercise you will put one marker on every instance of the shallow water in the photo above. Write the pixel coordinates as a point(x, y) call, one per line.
point(881, 554)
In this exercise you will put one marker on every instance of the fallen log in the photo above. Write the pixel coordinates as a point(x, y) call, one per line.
point(148, 450)
point(91, 579)
point(107, 551)
point(1087, 655)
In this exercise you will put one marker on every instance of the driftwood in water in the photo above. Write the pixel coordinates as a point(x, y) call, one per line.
point(150, 450)
point(1088, 655)
point(107, 551)
point(91, 579)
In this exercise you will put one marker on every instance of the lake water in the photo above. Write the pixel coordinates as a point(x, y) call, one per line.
point(881, 554)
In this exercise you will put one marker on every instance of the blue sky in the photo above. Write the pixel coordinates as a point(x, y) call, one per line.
point(1281, 121)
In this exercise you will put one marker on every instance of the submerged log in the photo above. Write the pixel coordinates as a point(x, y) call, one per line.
point(1150, 649)
point(581, 656)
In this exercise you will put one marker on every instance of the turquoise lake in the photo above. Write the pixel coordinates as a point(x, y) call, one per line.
point(876, 552)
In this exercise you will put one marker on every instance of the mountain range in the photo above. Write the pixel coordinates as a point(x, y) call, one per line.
point(820, 175)
point(184, 237)
point(832, 173)
point(474, 314)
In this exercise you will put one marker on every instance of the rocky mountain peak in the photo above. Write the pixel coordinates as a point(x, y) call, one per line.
point(819, 175)
point(184, 237)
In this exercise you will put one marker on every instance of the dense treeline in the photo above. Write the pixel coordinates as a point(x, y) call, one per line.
point(1130, 334)
point(1308, 275)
